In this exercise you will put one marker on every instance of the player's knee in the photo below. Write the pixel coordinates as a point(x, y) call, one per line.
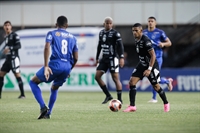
point(55, 87)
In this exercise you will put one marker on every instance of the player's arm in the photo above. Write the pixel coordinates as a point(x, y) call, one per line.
point(98, 52)
point(75, 58)
point(75, 54)
point(153, 58)
point(46, 53)
point(166, 41)
point(17, 44)
point(120, 51)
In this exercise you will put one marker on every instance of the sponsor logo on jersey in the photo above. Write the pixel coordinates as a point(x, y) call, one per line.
point(104, 37)
point(57, 34)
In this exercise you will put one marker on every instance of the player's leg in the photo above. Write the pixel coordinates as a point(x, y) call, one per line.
point(4, 70)
point(15, 64)
point(154, 80)
point(101, 69)
point(60, 78)
point(34, 82)
point(135, 77)
point(132, 94)
point(115, 77)
point(2, 74)
point(164, 80)
point(114, 70)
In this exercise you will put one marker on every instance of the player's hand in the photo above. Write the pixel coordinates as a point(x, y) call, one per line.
point(47, 72)
point(121, 62)
point(97, 61)
point(6, 50)
point(161, 45)
point(147, 73)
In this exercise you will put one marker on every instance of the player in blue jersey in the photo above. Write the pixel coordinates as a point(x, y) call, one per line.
point(62, 60)
point(159, 41)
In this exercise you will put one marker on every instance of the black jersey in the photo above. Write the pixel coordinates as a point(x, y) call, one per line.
point(110, 42)
point(143, 46)
point(12, 41)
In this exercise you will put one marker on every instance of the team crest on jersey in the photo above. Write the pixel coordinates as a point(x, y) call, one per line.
point(57, 33)
point(104, 37)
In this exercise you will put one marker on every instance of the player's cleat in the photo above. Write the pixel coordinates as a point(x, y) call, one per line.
point(153, 101)
point(170, 86)
point(130, 109)
point(47, 116)
point(108, 98)
point(166, 107)
point(43, 112)
point(21, 97)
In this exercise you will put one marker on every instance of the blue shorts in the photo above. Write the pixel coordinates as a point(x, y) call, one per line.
point(60, 69)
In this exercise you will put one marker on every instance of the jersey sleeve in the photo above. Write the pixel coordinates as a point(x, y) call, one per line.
point(49, 37)
point(120, 46)
point(118, 36)
point(75, 48)
point(148, 45)
point(17, 44)
point(163, 36)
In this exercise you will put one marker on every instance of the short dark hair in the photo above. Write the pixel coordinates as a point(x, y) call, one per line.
point(62, 21)
point(151, 17)
point(7, 22)
point(137, 25)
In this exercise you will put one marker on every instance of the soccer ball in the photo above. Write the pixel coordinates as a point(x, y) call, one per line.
point(115, 105)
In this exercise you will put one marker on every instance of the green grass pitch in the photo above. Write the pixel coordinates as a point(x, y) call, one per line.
point(82, 112)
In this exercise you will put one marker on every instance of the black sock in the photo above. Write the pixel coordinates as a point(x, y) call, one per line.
point(21, 86)
point(132, 94)
point(162, 95)
point(105, 90)
point(119, 95)
point(1, 85)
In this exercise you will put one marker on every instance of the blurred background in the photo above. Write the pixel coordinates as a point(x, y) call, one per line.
point(180, 19)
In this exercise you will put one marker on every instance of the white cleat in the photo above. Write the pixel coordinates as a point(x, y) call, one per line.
point(152, 101)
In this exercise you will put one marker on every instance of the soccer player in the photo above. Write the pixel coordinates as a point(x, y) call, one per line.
point(62, 60)
point(147, 67)
point(159, 41)
point(11, 45)
point(110, 43)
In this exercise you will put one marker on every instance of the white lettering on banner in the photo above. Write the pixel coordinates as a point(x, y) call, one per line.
point(81, 79)
point(188, 83)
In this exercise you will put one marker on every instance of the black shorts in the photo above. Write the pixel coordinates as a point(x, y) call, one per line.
point(154, 76)
point(11, 64)
point(111, 64)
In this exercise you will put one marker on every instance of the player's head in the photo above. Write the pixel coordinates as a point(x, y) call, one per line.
point(151, 22)
point(7, 27)
point(62, 22)
point(108, 23)
point(137, 30)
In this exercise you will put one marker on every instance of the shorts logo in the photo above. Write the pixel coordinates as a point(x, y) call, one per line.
point(57, 33)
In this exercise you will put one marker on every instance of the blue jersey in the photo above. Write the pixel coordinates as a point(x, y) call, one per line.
point(156, 36)
point(63, 44)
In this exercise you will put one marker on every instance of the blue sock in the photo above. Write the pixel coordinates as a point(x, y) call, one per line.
point(154, 94)
point(37, 93)
point(164, 81)
point(52, 99)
